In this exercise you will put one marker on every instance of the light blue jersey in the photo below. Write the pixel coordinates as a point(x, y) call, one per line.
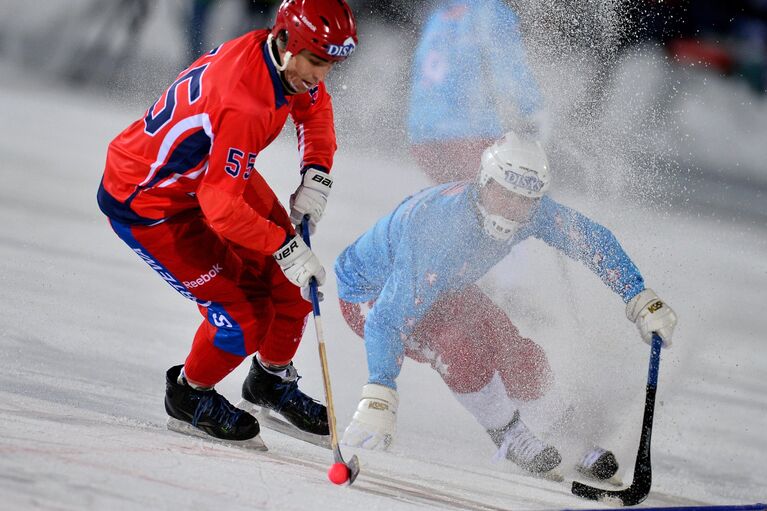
point(470, 57)
point(433, 243)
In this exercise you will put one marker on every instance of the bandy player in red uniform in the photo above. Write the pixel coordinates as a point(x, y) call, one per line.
point(181, 189)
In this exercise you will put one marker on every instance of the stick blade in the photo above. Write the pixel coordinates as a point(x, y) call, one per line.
point(354, 468)
point(631, 496)
point(353, 464)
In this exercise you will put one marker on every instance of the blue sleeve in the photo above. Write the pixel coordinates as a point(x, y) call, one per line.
point(507, 60)
point(362, 268)
point(590, 243)
point(387, 322)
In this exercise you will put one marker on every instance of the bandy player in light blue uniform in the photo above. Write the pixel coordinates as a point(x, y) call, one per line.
point(414, 273)
point(471, 81)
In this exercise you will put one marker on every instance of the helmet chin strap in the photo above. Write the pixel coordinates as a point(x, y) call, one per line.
point(277, 65)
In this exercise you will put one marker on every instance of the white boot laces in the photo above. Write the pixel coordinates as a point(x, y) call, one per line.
point(521, 442)
point(591, 457)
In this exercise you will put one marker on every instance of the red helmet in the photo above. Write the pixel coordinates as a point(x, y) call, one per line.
point(323, 27)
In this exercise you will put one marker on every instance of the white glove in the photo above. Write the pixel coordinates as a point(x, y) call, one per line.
point(375, 420)
point(298, 263)
point(310, 198)
point(650, 315)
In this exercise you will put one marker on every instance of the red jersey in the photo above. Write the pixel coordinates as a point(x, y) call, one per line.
point(196, 147)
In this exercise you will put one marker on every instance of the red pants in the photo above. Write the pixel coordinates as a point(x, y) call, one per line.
point(467, 338)
point(451, 160)
point(247, 302)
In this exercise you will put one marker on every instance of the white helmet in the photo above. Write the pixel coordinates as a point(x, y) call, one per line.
point(518, 165)
point(521, 167)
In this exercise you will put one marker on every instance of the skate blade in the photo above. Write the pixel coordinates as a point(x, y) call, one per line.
point(551, 475)
point(254, 444)
point(614, 480)
point(271, 421)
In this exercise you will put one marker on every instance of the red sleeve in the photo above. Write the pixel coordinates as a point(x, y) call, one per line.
point(312, 114)
point(238, 137)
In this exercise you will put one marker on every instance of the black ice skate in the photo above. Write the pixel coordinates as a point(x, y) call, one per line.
point(518, 444)
point(598, 463)
point(305, 418)
point(206, 413)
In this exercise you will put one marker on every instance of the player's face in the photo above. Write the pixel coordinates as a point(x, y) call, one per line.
point(499, 201)
point(306, 70)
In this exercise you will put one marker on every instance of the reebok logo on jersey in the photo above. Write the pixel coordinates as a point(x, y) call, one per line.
point(170, 279)
point(205, 277)
point(344, 50)
point(527, 182)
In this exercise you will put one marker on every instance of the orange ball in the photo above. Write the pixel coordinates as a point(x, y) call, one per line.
point(338, 473)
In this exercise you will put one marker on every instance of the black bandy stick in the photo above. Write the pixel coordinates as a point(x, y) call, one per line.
point(640, 485)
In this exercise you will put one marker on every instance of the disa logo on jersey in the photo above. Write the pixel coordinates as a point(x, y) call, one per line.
point(344, 50)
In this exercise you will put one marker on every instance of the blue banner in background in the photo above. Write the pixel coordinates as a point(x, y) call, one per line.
point(744, 507)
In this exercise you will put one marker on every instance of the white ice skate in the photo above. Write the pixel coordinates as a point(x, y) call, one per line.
point(600, 464)
point(518, 444)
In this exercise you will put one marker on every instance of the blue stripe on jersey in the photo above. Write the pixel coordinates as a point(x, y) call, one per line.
point(186, 156)
point(229, 336)
point(279, 93)
point(118, 211)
